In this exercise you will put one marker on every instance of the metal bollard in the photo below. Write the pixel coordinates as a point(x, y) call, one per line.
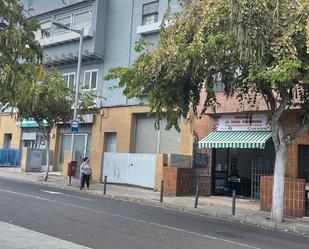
point(105, 181)
point(161, 191)
point(234, 202)
point(196, 196)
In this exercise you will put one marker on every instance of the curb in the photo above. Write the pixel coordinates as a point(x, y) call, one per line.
point(260, 221)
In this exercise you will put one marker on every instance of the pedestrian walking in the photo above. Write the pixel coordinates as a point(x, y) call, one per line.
point(85, 170)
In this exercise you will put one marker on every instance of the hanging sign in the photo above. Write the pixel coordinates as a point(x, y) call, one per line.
point(250, 122)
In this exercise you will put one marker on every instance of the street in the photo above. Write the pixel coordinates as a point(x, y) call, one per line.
point(106, 223)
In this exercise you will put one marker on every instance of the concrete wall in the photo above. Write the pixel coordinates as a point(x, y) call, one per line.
point(54, 146)
point(161, 162)
point(121, 120)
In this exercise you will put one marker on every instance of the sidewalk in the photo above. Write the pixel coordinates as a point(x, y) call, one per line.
point(24, 238)
point(247, 211)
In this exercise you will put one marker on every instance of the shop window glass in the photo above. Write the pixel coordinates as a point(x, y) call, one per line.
point(303, 169)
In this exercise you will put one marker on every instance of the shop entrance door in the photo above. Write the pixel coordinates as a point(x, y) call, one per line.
point(80, 147)
point(220, 169)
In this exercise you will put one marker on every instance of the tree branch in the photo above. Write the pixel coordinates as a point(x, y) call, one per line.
point(285, 100)
point(270, 98)
point(298, 132)
point(276, 11)
point(277, 129)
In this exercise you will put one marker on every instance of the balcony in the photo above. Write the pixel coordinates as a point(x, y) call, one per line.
point(64, 37)
point(148, 28)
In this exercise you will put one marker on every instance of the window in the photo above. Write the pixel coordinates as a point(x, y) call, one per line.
point(83, 20)
point(45, 30)
point(66, 21)
point(150, 13)
point(303, 158)
point(218, 84)
point(111, 141)
point(69, 78)
point(90, 80)
point(7, 140)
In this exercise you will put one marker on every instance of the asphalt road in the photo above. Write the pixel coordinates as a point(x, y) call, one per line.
point(105, 223)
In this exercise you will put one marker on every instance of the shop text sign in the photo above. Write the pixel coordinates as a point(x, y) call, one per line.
point(253, 122)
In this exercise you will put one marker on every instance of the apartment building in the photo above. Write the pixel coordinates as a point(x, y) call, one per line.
point(111, 29)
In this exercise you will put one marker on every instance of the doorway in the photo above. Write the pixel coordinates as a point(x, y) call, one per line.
point(241, 170)
point(303, 159)
point(82, 145)
point(7, 140)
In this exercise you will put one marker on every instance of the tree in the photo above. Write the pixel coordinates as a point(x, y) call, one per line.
point(48, 101)
point(260, 48)
point(19, 52)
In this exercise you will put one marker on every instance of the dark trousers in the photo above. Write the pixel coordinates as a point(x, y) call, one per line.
point(84, 179)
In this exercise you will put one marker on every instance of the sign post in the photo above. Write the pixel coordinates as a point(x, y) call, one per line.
point(74, 126)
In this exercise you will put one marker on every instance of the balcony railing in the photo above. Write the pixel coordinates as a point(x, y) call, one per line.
point(63, 37)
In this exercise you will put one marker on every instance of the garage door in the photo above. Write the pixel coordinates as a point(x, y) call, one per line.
point(150, 140)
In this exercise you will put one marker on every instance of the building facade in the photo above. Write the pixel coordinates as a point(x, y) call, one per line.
point(111, 29)
point(237, 140)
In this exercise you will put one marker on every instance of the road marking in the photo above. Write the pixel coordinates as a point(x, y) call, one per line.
point(133, 219)
point(60, 193)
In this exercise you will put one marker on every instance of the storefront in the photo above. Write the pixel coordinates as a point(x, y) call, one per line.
point(242, 151)
point(31, 136)
point(82, 143)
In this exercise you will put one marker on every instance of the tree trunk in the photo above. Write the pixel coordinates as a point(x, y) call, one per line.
point(278, 185)
point(47, 157)
point(279, 174)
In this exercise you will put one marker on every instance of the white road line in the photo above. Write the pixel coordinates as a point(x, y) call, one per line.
point(133, 219)
point(60, 193)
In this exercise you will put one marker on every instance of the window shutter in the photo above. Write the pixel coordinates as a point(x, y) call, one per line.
point(151, 8)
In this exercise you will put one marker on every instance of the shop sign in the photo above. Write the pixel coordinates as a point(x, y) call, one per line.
point(253, 122)
point(87, 118)
point(200, 160)
point(30, 123)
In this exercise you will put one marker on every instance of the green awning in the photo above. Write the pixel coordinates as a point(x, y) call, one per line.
point(235, 139)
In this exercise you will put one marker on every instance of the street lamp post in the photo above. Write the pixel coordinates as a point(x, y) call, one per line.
point(79, 62)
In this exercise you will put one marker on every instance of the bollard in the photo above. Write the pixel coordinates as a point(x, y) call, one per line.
point(161, 191)
point(105, 181)
point(234, 202)
point(196, 196)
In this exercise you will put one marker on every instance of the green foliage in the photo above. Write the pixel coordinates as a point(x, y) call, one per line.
point(259, 48)
point(19, 52)
point(45, 98)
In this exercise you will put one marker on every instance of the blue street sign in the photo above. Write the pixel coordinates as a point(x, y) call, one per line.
point(74, 126)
